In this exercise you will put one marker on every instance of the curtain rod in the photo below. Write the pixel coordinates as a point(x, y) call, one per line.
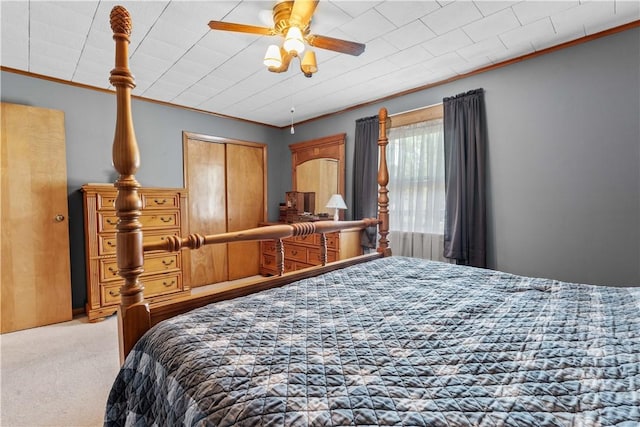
point(415, 109)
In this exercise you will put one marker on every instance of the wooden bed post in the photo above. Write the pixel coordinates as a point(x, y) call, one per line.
point(133, 316)
point(383, 180)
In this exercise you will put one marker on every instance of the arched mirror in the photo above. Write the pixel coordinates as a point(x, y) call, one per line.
point(318, 166)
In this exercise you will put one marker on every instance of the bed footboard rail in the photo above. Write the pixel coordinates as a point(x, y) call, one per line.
point(271, 232)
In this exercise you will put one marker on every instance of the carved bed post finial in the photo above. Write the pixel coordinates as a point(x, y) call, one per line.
point(383, 180)
point(134, 313)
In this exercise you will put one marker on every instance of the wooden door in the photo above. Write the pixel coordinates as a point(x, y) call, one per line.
point(246, 204)
point(36, 278)
point(204, 176)
point(226, 180)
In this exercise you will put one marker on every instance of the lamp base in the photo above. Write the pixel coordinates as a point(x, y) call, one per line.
point(335, 215)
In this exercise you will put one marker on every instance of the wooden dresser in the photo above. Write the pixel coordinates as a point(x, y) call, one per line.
point(305, 251)
point(162, 215)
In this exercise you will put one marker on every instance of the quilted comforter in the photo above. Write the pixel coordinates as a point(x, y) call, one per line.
point(396, 341)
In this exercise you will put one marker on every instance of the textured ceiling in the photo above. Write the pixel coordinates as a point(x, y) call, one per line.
point(176, 58)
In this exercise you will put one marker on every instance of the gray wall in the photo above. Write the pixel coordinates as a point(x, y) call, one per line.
point(563, 159)
point(90, 125)
point(563, 156)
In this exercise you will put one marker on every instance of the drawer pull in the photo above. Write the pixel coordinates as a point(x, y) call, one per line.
point(111, 244)
point(111, 222)
point(294, 252)
point(159, 202)
point(163, 219)
point(168, 263)
point(173, 282)
point(114, 293)
point(114, 271)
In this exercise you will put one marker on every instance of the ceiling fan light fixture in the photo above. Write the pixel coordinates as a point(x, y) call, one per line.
point(291, 22)
point(309, 64)
point(293, 41)
point(273, 58)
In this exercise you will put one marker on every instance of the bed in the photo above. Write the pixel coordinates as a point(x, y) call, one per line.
point(373, 340)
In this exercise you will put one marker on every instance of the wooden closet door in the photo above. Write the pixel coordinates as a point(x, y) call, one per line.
point(205, 180)
point(245, 205)
point(36, 278)
point(226, 180)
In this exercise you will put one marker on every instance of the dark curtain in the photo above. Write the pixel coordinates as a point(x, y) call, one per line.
point(464, 151)
point(365, 176)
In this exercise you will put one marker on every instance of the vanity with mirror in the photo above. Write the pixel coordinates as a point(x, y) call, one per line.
point(317, 166)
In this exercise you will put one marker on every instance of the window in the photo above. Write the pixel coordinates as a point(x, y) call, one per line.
point(416, 169)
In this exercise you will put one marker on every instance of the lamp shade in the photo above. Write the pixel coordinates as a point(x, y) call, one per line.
point(336, 202)
point(293, 41)
point(272, 58)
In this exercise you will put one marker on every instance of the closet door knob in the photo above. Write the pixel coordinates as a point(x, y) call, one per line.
point(59, 218)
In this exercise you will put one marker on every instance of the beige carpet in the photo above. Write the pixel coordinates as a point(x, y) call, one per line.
point(58, 375)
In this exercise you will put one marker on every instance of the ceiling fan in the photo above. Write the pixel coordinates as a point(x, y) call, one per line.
point(292, 20)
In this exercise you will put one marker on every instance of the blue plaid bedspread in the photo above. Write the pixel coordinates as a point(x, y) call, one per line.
point(396, 341)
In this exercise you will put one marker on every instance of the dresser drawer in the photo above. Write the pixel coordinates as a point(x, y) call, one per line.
point(107, 242)
point(159, 285)
point(165, 219)
point(333, 240)
point(108, 269)
point(153, 264)
point(289, 265)
point(268, 247)
point(158, 235)
point(160, 201)
point(162, 263)
point(268, 265)
point(315, 256)
point(153, 286)
point(106, 201)
point(108, 221)
point(268, 262)
point(111, 293)
point(309, 238)
point(294, 252)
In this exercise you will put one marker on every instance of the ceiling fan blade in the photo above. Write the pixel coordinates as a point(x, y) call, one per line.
point(241, 28)
point(302, 11)
point(338, 45)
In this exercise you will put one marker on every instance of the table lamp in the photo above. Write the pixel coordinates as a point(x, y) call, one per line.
point(336, 202)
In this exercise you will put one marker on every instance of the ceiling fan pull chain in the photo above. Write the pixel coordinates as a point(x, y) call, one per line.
point(293, 109)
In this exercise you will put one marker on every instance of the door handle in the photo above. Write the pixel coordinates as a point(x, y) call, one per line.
point(59, 218)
